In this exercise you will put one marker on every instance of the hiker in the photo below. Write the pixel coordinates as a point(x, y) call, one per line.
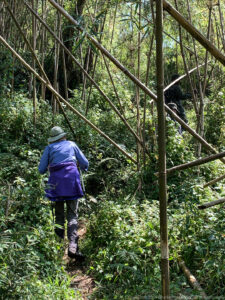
point(175, 95)
point(60, 157)
point(173, 107)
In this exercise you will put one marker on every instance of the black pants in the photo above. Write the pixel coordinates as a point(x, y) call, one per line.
point(71, 216)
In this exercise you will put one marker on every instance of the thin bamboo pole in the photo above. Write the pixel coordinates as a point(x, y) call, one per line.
point(193, 31)
point(138, 89)
point(210, 204)
point(64, 74)
point(114, 87)
point(191, 279)
point(214, 181)
point(207, 53)
point(162, 152)
point(34, 38)
point(221, 25)
point(64, 101)
point(200, 125)
point(43, 44)
point(186, 68)
point(94, 68)
point(145, 97)
point(181, 77)
point(195, 163)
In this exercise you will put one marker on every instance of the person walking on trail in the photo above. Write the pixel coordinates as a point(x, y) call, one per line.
point(60, 157)
point(175, 95)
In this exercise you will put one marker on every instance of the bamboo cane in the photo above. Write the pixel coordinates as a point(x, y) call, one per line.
point(191, 279)
point(186, 69)
point(214, 181)
point(197, 162)
point(182, 76)
point(34, 39)
point(210, 204)
point(162, 152)
point(65, 102)
point(114, 87)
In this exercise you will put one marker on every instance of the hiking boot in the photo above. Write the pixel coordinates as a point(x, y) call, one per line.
point(79, 256)
point(72, 249)
point(73, 252)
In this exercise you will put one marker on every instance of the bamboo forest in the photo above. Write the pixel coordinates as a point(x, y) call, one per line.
point(112, 132)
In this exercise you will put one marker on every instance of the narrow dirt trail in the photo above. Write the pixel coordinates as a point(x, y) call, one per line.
point(80, 281)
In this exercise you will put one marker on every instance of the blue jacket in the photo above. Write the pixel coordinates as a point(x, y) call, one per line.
point(61, 152)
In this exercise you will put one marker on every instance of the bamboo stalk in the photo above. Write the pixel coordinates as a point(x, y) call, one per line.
point(138, 89)
point(34, 38)
point(162, 152)
point(193, 31)
point(64, 101)
point(182, 76)
point(93, 73)
point(145, 97)
point(210, 204)
point(207, 53)
point(221, 25)
point(43, 41)
point(214, 181)
point(200, 117)
point(114, 87)
point(197, 162)
point(186, 69)
point(64, 74)
point(191, 279)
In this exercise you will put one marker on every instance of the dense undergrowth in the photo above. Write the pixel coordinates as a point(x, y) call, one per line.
point(122, 242)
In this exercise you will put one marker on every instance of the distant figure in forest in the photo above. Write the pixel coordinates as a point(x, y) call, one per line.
point(60, 157)
point(174, 95)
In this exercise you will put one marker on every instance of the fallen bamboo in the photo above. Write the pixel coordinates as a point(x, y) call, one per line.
point(132, 77)
point(195, 163)
point(64, 101)
point(194, 32)
point(191, 279)
point(210, 204)
point(181, 77)
point(214, 181)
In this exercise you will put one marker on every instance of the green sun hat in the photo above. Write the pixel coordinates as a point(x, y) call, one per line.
point(56, 134)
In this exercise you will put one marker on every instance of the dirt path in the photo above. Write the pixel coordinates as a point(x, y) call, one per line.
point(80, 281)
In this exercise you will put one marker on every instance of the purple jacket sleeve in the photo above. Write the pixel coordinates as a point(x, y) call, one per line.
point(82, 160)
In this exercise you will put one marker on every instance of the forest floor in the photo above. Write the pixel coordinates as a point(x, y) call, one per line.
point(77, 271)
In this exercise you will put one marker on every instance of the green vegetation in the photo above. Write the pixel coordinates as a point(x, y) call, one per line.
point(122, 243)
